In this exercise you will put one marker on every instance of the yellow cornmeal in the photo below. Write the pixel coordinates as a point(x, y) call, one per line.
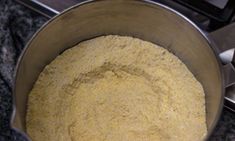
point(115, 88)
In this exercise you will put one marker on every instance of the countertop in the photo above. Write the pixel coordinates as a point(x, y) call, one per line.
point(17, 25)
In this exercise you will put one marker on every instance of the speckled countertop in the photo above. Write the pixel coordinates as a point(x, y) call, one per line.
point(17, 25)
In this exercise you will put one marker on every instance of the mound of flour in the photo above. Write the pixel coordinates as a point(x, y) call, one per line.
point(116, 88)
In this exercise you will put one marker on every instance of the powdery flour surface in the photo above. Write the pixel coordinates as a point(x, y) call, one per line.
point(116, 88)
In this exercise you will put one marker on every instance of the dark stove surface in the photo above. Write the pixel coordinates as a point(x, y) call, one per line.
point(207, 14)
point(17, 25)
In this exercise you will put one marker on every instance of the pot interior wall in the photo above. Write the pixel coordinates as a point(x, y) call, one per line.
point(139, 19)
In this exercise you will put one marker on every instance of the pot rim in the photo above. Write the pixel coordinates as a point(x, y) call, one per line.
point(207, 38)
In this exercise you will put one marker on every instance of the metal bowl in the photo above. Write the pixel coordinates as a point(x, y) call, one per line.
point(146, 20)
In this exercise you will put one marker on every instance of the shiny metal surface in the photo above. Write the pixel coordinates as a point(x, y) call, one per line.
point(227, 56)
point(142, 19)
point(226, 48)
point(229, 75)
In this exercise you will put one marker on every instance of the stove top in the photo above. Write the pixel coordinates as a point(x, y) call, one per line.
point(49, 8)
point(215, 17)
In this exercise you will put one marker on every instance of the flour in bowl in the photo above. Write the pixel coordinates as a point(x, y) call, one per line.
point(116, 88)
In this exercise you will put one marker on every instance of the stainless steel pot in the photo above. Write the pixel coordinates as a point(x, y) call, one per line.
point(146, 20)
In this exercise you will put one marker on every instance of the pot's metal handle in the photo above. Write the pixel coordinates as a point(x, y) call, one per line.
point(228, 59)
